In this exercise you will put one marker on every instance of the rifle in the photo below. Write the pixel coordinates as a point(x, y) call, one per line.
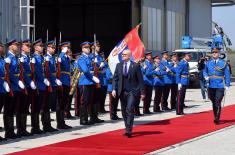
point(22, 69)
point(96, 69)
point(49, 88)
point(7, 78)
point(58, 71)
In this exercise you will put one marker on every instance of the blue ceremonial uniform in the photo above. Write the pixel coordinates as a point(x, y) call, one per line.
point(158, 83)
point(2, 74)
point(182, 77)
point(27, 70)
point(65, 69)
point(182, 74)
point(167, 83)
point(217, 71)
point(52, 70)
point(85, 66)
point(39, 72)
point(14, 71)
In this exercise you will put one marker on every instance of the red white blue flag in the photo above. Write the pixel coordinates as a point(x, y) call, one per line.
point(133, 43)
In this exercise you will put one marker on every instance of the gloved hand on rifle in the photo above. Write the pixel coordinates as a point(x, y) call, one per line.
point(58, 82)
point(6, 86)
point(21, 84)
point(46, 82)
point(32, 85)
point(95, 79)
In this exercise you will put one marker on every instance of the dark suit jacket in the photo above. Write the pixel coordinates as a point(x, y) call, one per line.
point(135, 78)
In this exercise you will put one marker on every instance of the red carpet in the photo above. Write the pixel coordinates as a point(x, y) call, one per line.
point(146, 138)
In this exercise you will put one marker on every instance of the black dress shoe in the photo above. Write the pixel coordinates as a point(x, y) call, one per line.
point(147, 112)
point(36, 131)
point(115, 118)
point(158, 110)
point(84, 122)
point(166, 109)
point(180, 113)
point(70, 117)
point(127, 135)
point(49, 129)
point(97, 120)
point(64, 126)
point(11, 136)
point(2, 139)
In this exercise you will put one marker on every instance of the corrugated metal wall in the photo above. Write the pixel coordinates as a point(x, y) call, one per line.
point(10, 24)
point(163, 23)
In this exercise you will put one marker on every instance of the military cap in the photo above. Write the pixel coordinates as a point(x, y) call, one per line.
point(85, 43)
point(163, 52)
point(38, 42)
point(155, 55)
point(51, 44)
point(66, 43)
point(93, 43)
point(12, 42)
point(147, 52)
point(215, 50)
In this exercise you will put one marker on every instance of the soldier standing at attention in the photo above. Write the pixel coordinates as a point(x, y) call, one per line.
point(217, 73)
point(86, 85)
point(148, 81)
point(182, 79)
point(4, 87)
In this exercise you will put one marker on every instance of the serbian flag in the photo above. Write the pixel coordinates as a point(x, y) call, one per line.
point(133, 43)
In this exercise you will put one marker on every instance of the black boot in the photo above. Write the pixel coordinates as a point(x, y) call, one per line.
point(35, 124)
point(84, 115)
point(46, 122)
point(94, 115)
point(18, 125)
point(217, 117)
point(9, 127)
point(24, 125)
point(60, 120)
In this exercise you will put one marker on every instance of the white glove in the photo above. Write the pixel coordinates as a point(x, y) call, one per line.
point(114, 93)
point(207, 78)
point(21, 84)
point(96, 60)
point(95, 79)
point(226, 88)
point(8, 60)
point(65, 50)
point(157, 69)
point(58, 82)
point(179, 86)
point(59, 59)
point(6, 86)
point(47, 58)
point(33, 60)
point(46, 82)
point(167, 69)
point(32, 85)
point(21, 59)
point(101, 64)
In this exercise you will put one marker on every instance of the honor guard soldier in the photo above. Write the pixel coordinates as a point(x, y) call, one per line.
point(15, 100)
point(55, 83)
point(65, 76)
point(49, 56)
point(99, 66)
point(43, 84)
point(182, 79)
point(174, 86)
point(217, 73)
point(29, 83)
point(167, 80)
point(4, 87)
point(157, 71)
point(148, 81)
point(86, 86)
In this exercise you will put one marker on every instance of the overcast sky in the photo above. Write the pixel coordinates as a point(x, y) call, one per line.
point(225, 17)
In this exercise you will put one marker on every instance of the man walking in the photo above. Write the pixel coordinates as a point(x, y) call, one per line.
point(128, 81)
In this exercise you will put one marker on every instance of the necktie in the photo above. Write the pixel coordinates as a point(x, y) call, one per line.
point(125, 69)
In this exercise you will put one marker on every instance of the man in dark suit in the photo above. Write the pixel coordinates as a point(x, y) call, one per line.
point(128, 81)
